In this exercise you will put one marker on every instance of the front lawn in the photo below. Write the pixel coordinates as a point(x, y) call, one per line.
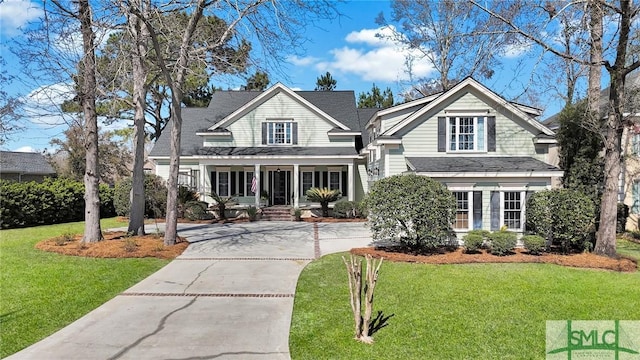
point(42, 292)
point(471, 311)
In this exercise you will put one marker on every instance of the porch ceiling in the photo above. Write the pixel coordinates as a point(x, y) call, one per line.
point(276, 151)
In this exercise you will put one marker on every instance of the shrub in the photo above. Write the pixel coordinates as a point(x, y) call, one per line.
point(414, 210)
point(196, 210)
point(297, 214)
point(623, 214)
point(346, 209)
point(563, 217)
point(323, 196)
point(502, 242)
point(535, 244)
point(252, 213)
point(155, 196)
point(129, 244)
point(472, 242)
point(221, 203)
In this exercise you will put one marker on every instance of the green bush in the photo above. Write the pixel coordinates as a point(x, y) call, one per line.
point(346, 209)
point(252, 213)
point(502, 242)
point(535, 244)
point(155, 196)
point(197, 210)
point(52, 201)
point(413, 210)
point(563, 217)
point(472, 242)
point(323, 196)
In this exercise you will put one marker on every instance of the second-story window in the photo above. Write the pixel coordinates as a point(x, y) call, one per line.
point(279, 133)
point(466, 133)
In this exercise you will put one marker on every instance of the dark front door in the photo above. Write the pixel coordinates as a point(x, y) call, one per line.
point(280, 187)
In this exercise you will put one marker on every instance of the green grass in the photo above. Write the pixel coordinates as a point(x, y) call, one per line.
point(628, 248)
point(473, 311)
point(42, 292)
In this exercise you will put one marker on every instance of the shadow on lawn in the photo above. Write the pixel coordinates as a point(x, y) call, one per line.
point(379, 322)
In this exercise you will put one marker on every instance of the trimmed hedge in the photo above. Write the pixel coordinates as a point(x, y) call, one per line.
point(347, 209)
point(52, 201)
point(502, 242)
point(535, 244)
point(472, 242)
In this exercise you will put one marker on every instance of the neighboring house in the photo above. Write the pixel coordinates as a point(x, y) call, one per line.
point(489, 152)
point(279, 143)
point(23, 167)
point(629, 182)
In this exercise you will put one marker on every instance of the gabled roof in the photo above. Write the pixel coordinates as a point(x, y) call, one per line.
point(270, 93)
point(466, 83)
point(24, 163)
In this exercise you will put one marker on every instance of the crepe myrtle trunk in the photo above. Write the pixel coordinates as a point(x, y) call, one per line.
point(92, 231)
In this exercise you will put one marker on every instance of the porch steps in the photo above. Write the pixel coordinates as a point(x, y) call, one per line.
point(276, 214)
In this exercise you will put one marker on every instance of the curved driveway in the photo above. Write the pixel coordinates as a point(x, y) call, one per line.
point(228, 296)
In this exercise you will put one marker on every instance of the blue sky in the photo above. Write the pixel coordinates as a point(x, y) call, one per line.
point(348, 48)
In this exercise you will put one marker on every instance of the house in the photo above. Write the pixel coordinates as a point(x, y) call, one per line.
point(24, 166)
point(490, 152)
point(275, 144)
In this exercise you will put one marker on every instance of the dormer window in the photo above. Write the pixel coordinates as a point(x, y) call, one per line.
point(466, 133)
point(279, 133)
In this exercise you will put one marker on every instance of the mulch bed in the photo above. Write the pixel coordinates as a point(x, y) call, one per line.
point(457, 256)
point(115, 245)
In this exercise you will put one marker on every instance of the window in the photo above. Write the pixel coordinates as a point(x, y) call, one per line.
point(279, 133)
point(466, 133)
point(335, 180)
point(248, 183)
point(512, 210)
point(462, 212)
point(635, 144)
point(189, 179)
point(307, 181)
point(635, 207)
point(223, 184)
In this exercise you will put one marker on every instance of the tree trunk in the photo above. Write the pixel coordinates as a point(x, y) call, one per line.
point(92, 231)
point(140, 35)
point(595, 67)
point(354, 272)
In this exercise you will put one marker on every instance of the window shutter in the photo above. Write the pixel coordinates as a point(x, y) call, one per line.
point(264, 133)
point(442, 134)
point(242, 185)
point(635, 144)
point(263, 181)
point(325, 179)
point(234, 183)
point(345, 186)
point(495, 210)
point(214, 182)
point(477, 209)
point(491, 133)
point(294, 133)
point(317, 182)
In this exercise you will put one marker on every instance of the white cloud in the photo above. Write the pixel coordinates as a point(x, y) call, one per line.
point(17, 13)
point(42, 105)
point(302, 61)
point(26, 149)
point(378, 59)
point(513, 51)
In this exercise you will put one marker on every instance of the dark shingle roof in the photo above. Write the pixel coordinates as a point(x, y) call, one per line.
point(479, 164)
point(365, 115)
point(24, 163)
point(275, 151)
point(340, 105)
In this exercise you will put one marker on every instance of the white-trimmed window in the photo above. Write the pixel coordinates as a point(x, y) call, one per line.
point(223, 182)
point(307, 181)
point(513, 209)
point(462, 210)
point(279, 133)
point(335, 180)
point(189, 178)
point(248, 183)
point(466, 133)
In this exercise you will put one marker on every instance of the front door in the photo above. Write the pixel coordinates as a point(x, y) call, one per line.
point(281, 183)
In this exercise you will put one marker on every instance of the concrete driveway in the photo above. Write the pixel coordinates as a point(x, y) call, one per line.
point(228, 296)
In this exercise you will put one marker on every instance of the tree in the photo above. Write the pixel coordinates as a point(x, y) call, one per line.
point(9, 107)
point(323, 196)
point(375, 99)
point(257, 82)
point(200, 97)
point(325, 83)
point(414, 210)
point(618, 65)
point(439, 31)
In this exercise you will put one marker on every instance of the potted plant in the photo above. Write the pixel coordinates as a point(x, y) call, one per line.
point(264, 198)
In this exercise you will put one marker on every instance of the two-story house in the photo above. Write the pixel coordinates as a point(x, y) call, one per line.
point(490, 152)
point(275, 144)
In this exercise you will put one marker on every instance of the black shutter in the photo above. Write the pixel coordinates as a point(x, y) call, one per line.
point(214, 183)
point(294, 133)
point(242, 184)
point(317, 182)
point(491, 133)
point(345, 185)
point(262, 182)
point(325, 179)
point(234, 184)
point(264, 133)
point(477, 209)
point(442, 134)
point(495, 210)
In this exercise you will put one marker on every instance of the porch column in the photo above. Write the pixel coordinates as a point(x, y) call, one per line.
point(350, 180)
point(256, 174)
point(296, 185)
point(202, 182)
